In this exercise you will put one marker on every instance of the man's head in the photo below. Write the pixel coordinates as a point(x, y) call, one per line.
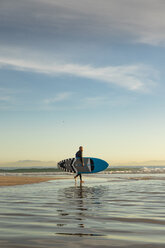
point(81, 148)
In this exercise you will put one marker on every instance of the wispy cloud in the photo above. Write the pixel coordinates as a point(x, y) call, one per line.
point(8, 97)
point(141, 21)
point(5, 98)
point(60, 97)
point(6, 102)
point(106, 100)
point(95, 101)
point(133, 77)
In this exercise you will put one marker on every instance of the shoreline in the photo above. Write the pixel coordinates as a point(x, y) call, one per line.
point(22, 180)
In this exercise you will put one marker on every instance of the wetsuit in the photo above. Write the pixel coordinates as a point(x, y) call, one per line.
point(79, 156)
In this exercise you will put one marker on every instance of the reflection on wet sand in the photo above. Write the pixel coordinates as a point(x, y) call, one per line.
point(105, 212)
point(78, 199)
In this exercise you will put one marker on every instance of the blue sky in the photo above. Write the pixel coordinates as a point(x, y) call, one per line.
point(85, 73)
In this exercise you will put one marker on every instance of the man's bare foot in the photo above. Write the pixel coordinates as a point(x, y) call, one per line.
point(81, 181)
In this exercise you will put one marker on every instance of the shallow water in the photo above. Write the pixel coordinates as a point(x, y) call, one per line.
point(107, 211)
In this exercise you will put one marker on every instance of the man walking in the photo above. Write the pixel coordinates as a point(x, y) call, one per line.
point(79, 155)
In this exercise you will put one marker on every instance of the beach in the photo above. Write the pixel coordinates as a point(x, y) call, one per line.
point(21, 180)
point(108, 210)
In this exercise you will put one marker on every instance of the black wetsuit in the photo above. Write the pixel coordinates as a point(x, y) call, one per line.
point(79, 155)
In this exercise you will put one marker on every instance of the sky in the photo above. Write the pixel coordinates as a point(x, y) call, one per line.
point(85, 73)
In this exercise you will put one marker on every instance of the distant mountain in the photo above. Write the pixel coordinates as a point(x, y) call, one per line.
point(29, 163)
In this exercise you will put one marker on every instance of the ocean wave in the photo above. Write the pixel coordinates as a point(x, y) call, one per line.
point(56, 171)
point(143, 170)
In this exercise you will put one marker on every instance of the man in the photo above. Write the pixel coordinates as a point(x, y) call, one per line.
point(79, 155)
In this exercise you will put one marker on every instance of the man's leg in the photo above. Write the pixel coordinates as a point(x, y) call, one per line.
point(81, 181)
point(76, 176)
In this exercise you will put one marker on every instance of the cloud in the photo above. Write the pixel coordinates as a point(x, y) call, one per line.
point(60, 97)
point(107, 100)
point(140, 21)
point(8, 97)
point(95, 101)
point(6, 102)
point(132, 77)
point(5, 98)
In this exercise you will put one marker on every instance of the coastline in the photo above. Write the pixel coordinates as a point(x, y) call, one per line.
point(21, 180)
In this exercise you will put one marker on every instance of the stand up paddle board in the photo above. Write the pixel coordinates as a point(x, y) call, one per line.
point(91, 165)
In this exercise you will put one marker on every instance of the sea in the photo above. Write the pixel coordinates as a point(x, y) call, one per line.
point(121, 207)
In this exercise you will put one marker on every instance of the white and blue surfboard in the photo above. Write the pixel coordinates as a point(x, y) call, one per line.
point(91, 165)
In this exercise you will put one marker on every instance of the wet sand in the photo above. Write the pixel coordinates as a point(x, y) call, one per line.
point(21, 180)
point(106, 211)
